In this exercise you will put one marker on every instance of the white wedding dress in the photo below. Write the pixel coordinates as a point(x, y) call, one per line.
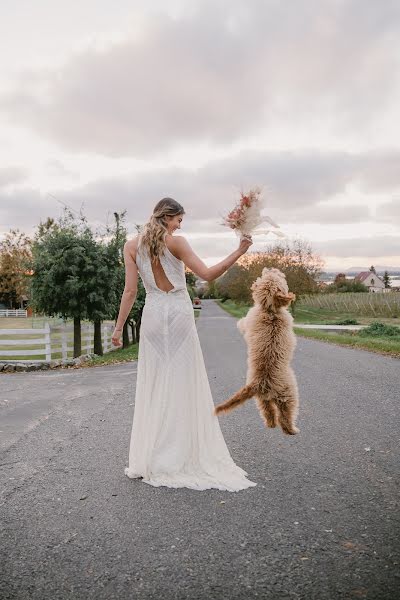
point(176, 440)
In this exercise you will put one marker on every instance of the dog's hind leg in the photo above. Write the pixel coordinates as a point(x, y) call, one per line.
point(287, 406)
point(241, 396)
point(286, 397)
point(286, 419)
point(267, 410)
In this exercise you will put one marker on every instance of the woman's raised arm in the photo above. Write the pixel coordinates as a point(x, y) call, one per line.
point(184, 251)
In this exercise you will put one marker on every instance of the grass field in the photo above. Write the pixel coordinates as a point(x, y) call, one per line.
point(324, 316)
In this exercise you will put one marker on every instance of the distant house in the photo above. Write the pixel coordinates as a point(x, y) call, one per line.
point(371, 281)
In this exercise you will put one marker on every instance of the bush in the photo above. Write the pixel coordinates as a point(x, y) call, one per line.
point(347, 322)
point(350, 286)
point(378, 329)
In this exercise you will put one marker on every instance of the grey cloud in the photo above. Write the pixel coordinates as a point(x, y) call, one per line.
point(387, 245)
point(13, 175)
point(299, 188)
point(389, 212)
point(24, 209)
point(217, 73)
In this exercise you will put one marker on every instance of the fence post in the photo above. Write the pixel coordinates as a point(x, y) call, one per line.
point(64, 344)
point(47, 341)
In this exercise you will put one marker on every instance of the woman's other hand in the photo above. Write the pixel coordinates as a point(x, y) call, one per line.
point(116, 337)
point(245, 243)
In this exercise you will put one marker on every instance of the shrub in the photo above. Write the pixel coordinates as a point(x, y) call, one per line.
point(378, 329)
point(347, 322)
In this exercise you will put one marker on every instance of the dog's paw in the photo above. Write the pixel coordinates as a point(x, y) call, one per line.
point(291, 431)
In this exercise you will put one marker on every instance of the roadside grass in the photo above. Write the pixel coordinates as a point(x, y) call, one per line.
point(381, 344)
point(233, 308)
point(115, 356)
point(326, 316)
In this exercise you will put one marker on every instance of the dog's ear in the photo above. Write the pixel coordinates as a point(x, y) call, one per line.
point(281, 299)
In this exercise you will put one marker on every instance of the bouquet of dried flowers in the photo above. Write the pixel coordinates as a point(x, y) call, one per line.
point(245, 218)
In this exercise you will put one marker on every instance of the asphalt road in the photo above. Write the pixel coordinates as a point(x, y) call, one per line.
point(321, 524)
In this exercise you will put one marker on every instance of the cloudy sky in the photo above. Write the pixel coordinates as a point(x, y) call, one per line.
point(113, 105)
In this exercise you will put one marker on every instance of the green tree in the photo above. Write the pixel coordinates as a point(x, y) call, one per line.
point(191, 280)
point(134, 319)
point(65, 272)
point(348, 285)
point(339, 279)
point(102, 293)
point(386, 279)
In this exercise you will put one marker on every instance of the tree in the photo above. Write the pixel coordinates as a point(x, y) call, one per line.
point(65, 266)
point(15, 254)
point(295, 259)
point(348, 285)
point(234, 284)
point(191, 280)
point(372, 269)
point(339, 279)
point(134, 319)
point(102, 292)
point(386, 280)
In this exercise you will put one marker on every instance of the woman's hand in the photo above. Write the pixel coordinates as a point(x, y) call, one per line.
point(116, 337)
point(245, 243)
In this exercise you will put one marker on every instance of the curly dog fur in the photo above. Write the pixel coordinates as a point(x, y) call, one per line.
point(268, 332)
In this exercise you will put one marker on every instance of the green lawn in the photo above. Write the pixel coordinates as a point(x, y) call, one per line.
point(116, 356)
point(304, 314)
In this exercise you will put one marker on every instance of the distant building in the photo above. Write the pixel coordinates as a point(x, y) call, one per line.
point(371, 281)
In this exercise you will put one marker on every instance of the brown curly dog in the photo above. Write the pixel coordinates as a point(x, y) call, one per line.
point(268, 331)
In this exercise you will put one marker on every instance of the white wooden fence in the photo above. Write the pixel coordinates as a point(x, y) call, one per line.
point(46, 343)
point(13, 312)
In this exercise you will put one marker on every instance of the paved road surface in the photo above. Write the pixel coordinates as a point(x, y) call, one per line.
point(321, 523)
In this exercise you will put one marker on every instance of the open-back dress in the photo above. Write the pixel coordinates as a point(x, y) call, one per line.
point(176, 440)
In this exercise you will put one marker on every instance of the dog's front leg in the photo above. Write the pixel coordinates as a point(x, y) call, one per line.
point(241, 325)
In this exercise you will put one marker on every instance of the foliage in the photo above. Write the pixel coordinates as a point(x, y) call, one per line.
point(379, 329)
point(296, 259)
point(118, 238)
point(190, 277)
point(211, 290)
point(347, 322)
point(64, 261)
point(15, 254)
point(347, 285)
point(386, 280)
point(74, 273)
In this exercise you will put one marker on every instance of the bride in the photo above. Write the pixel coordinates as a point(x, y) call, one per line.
point(176, 440)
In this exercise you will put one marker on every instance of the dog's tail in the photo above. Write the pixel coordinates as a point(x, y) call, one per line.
point(240, 397)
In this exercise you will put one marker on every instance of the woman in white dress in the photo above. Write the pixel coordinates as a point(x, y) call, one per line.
point(176, 440)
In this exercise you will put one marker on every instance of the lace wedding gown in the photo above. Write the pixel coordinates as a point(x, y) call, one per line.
point(176, 440)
